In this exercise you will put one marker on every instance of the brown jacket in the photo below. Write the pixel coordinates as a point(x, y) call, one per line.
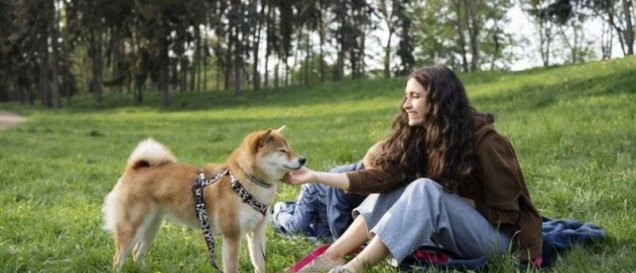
point(500, 194)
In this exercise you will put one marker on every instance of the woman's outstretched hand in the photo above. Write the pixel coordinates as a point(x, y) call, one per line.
point(307, 175)
point(302, 176)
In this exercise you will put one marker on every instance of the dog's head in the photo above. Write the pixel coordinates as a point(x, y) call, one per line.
point(268, 155)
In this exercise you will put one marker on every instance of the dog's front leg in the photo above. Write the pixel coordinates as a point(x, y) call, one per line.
point(231, 245)
point(256, 245)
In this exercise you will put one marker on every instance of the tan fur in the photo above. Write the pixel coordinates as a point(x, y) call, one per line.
point(374, 152)
point(154, 186)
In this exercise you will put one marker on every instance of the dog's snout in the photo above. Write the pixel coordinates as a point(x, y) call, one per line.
point(302, 161)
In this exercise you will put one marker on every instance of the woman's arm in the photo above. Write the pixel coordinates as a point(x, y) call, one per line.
point(502, 178)
point(306, 175)
point(361, 181)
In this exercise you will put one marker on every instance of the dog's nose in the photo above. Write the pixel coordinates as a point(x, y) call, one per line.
point(302, 161)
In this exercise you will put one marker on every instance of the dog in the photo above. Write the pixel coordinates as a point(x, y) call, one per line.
point(155, 186)
point(374, 152)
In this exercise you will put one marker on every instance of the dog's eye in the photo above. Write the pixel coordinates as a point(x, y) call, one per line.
point(282, 150)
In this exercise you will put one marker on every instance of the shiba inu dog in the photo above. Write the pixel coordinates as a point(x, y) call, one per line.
point(374, 152)
point(154, 186)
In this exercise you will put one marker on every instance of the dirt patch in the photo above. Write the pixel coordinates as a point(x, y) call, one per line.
point(8, 119)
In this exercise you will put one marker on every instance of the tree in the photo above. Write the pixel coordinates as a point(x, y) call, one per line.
point(619, 15)
point(6, 49)
point(405, 46)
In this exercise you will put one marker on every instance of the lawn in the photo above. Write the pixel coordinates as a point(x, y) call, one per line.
point(573, 128)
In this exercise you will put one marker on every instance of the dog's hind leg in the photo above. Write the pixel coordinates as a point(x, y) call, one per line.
point(231, 245)
point(126, 233)
point(146, 233)
point(256, 246)
point(124, 239)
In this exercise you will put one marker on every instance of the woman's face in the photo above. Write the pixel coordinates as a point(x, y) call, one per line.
point(414, 103)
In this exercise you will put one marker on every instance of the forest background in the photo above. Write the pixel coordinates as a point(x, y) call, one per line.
point(92, 78)
point(52, 50)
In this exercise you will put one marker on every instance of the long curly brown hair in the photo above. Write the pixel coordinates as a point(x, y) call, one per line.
point(442, 149)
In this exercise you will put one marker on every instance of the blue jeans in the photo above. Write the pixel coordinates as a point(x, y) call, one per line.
point(307, 215)
point(423, 212)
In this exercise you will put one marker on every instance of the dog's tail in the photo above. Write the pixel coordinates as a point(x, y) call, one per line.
point(149, 153)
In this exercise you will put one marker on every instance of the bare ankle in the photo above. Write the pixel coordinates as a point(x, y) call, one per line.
point(356, 265)
point(332, 256)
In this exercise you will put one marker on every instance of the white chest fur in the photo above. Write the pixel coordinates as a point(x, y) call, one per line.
point(249, 217)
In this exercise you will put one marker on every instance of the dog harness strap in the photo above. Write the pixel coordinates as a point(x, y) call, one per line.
point(199, 207)
point(247, 197)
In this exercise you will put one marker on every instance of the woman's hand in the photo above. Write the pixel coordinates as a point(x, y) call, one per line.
point(307, 175)
point(302, 176)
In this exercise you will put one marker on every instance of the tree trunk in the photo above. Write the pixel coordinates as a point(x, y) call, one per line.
point(307, 58)
point(606, 41)
point(545, 39)
point(185, 68)
point(194, 62)
point(43, 72)
point(286, 73)
point(629, 27)
point(257, 40)
point(266, 72)
point(55, 64)
point(95, 52)
point(218, 75)
point(322, 42)
point(164, 71)
point(276, 77)
point(461, 18)
point(387, 55)
point(496, 45)
point(340, 39)
point(362, 68)
point(228, 57)
point(237, 63)
point(572, 46)
point(206, 59)
point(69, 80)
point(388, 20)
point(295, 62)
point(474, 27)
point(4, 89)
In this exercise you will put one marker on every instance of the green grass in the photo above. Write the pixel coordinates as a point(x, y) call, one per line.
point(573, 127)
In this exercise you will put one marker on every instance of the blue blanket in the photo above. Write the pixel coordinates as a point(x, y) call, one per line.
point(558, 236)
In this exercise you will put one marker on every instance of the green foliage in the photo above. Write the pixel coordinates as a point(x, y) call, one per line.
point(573, 129)
point(442, 31)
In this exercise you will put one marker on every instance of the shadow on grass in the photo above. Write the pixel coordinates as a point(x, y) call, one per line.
point(616, 77)
point(296, 96)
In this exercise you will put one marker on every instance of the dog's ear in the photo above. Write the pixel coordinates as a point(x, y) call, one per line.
point(264, 139)
point(280, 130)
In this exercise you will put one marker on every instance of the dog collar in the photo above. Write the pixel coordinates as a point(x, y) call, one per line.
point(258, 182)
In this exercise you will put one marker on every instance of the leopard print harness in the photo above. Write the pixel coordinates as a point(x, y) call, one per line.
point(199, 206)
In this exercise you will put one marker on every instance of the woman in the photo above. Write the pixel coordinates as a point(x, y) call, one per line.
point(445, 176)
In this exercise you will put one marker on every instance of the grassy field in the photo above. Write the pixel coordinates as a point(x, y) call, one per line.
point(573, 127)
